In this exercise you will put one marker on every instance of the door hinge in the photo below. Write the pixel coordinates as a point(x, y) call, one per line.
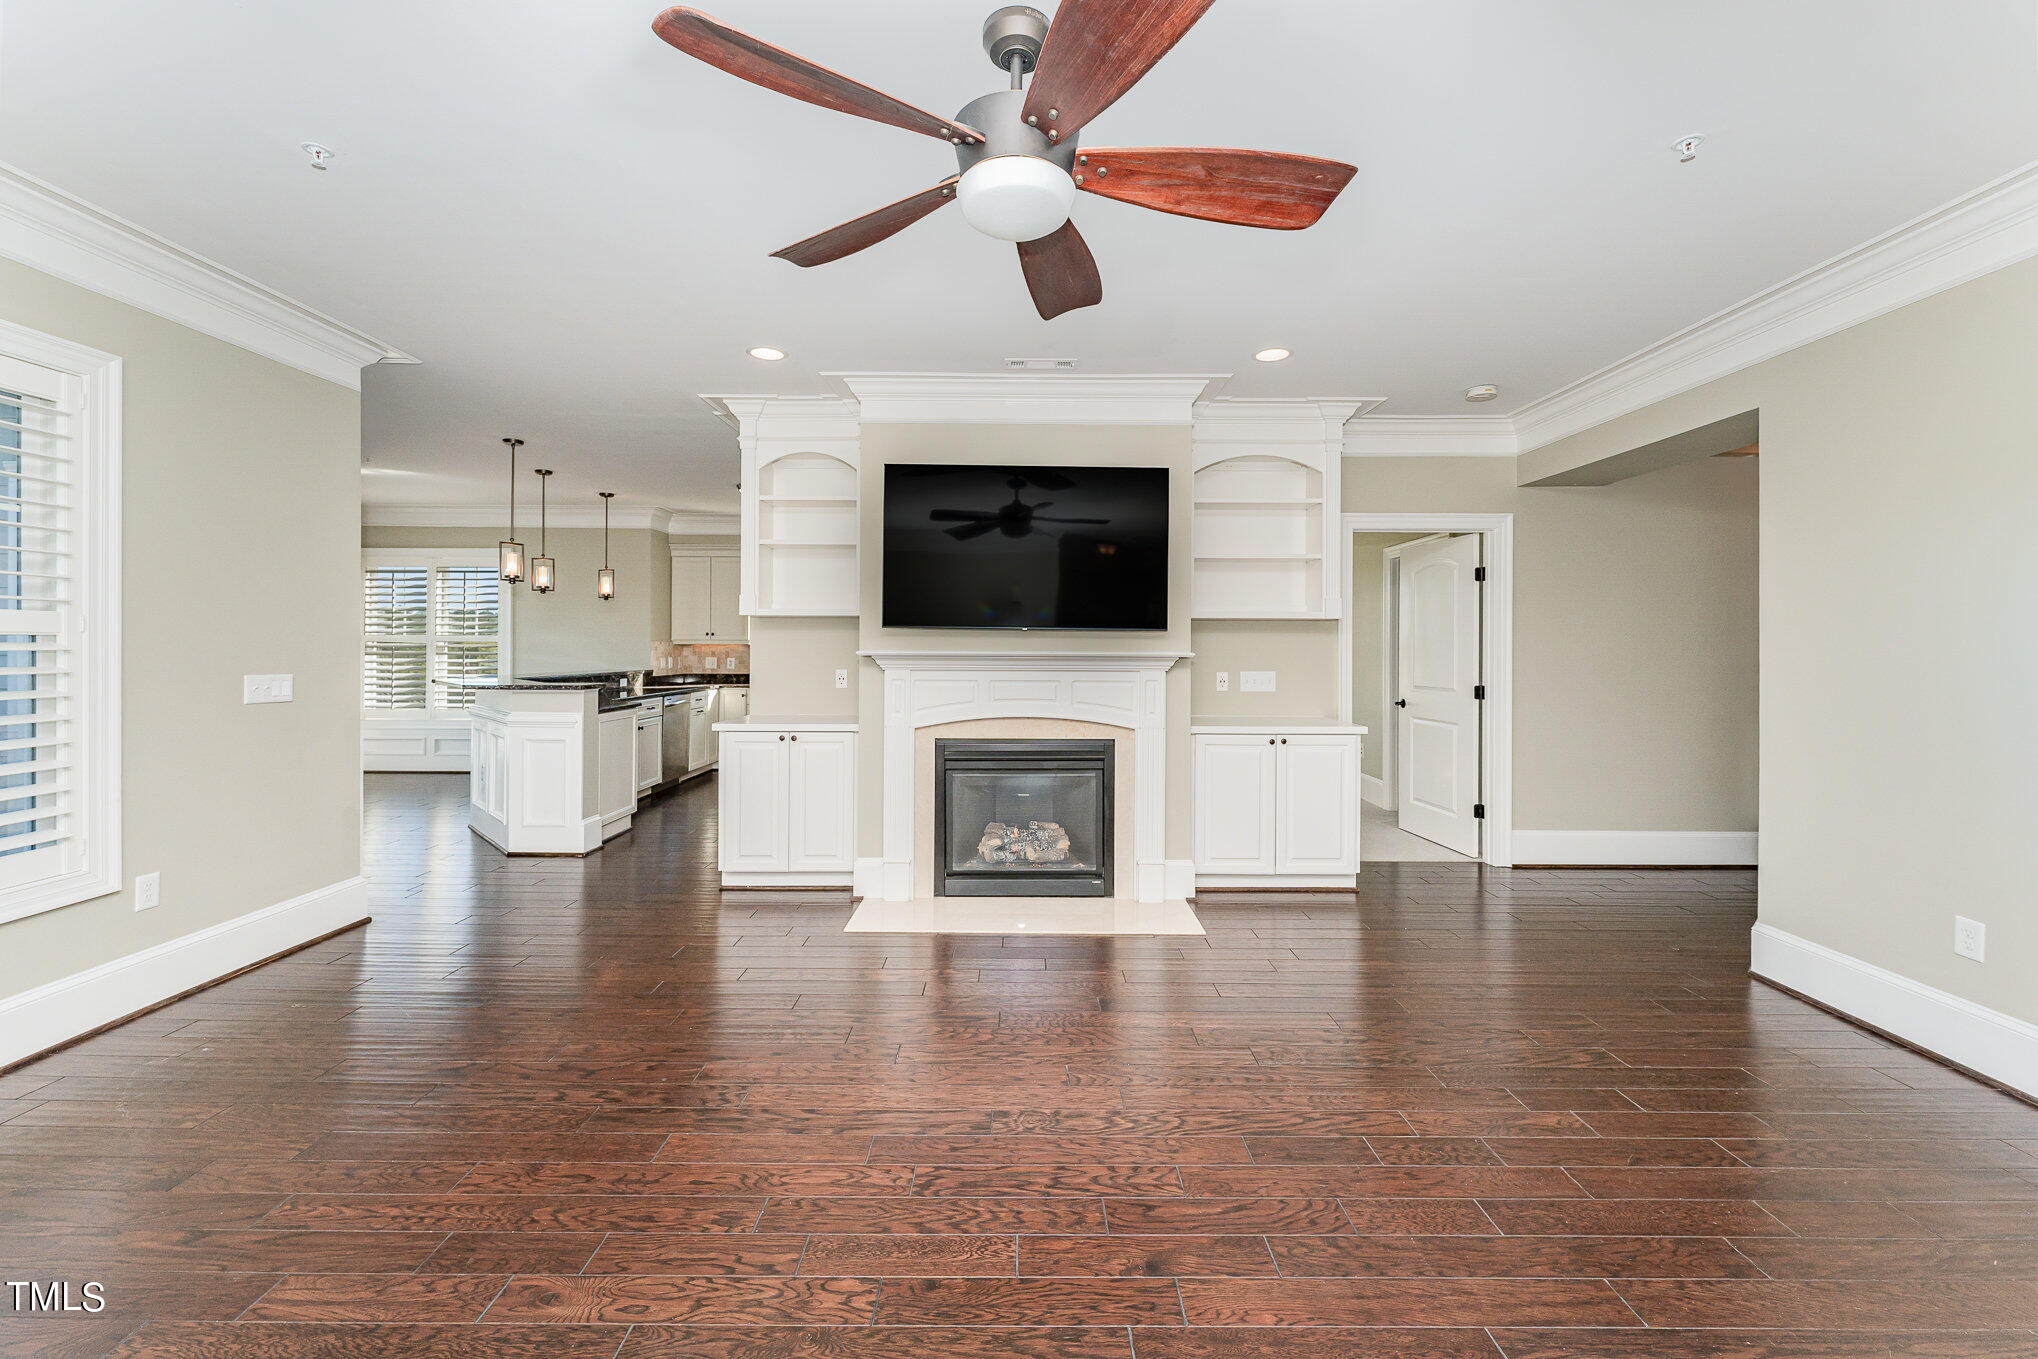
point(1478, 573)
point(1479, 692)
point(1478, 811)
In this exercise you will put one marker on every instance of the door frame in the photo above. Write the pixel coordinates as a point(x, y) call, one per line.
point(1496, 715)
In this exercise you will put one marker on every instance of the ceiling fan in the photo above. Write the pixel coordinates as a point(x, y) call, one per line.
point(1017, 149)
point(1015, 519)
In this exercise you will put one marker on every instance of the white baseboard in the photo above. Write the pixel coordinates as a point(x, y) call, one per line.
point(867, 878)
point(34, 1021)
point(788, 881)
point(1997, 1045)
point(1374, 791)
point(1344, 882)
point(1178, 879)
point(1665, 849)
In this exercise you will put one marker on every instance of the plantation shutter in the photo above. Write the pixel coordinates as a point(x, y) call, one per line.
point(394, 666)
point(40, 641)
point(466, 621)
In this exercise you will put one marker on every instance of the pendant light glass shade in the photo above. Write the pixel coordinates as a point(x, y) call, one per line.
point(544, 571)
point(605, 579)
point(510, 559)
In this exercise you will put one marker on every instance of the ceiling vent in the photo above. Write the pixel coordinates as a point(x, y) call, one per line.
point(1040, 365)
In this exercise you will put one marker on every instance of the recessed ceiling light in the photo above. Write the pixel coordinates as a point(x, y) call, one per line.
point(1481, 393)
point(767, 353)
point(320, 155)
point(1271, 355)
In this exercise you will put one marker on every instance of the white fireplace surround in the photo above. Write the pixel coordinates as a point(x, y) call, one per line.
point(1114, 689)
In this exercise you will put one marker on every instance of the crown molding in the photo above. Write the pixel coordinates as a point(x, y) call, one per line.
point(1445, 436)
point(46, 229)
point(1024, 398)
point(1979, 233)
point(678, 523)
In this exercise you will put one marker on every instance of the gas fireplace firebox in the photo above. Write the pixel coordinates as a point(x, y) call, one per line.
point(1022, 818)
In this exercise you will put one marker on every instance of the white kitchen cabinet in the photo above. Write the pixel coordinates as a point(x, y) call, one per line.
point(1277, 806)
point(706, 597)
point(616, 770)
point(787, 804)
point(649, 758)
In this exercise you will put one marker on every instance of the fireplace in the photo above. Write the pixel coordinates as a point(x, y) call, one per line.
point(1022, 818)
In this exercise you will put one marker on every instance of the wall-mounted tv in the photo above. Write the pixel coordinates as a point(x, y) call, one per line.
point(972, 546)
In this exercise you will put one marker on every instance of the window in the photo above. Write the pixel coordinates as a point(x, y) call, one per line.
point(59, 624)
point(434, 621)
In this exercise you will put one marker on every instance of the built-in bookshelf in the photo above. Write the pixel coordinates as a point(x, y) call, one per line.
point(1258, 537)
point(805, 534)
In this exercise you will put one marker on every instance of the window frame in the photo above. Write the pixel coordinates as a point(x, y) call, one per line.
point(431, 561)
point(95, 589)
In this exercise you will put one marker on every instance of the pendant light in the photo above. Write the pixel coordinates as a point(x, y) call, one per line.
point(543, 569)
point(605, 581)
point(512, 558)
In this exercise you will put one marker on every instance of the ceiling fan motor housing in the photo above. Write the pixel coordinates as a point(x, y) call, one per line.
point(1017, 185)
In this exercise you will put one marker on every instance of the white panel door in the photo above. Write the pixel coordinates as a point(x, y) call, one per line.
point(1439, 715)
point(1316, 792)
point(755, 797)
point(823, 797)
point(1235, 831)
point(691, 595)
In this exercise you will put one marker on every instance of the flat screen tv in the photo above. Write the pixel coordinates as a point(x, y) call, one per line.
point(1026, 547)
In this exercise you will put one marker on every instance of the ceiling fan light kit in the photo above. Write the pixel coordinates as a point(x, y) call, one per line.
point(1016, 149)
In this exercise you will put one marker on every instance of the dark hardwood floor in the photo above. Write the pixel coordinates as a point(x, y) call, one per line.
point(562, 1108)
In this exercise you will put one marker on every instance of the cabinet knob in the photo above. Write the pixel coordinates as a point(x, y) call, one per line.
point(1270, 740)
point(781, 736)
point(795, 738)
point(1284, 740)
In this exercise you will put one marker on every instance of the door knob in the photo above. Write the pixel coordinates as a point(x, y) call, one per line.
point(1400, 702)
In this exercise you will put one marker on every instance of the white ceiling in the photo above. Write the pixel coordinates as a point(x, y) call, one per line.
point(569, 222)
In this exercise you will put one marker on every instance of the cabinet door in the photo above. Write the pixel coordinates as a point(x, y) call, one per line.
point(1235, 804)
point(690, 595)
point(755, 798)
point(649, 774)
point(1318, 806)
point(726, 622)
point(823, 800)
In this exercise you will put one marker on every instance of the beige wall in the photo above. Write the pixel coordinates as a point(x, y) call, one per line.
point(1899, 657)
point(1635, 688)
point(1302, 654)
point(241, 488)
point(793, 663)
point(1369, 642)
point(569, 629)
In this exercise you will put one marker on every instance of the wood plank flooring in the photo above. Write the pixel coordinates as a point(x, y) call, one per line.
point(562, 1108)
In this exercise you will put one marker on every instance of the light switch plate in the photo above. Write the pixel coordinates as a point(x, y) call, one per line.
point(148, 891)
point(267, 688)
point(1970, 938)
point(1224, 681)
point(841, 679)
point(1256, 681)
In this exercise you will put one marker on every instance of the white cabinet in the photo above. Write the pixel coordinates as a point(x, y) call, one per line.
point(1264, 518)
point(1277, 806)
point(705, 597)
point(616, 770)
point(788, 805)
point(649, 758)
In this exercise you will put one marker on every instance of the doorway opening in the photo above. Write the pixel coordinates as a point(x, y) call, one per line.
point(1426, 652)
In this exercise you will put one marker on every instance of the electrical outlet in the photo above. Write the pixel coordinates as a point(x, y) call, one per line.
point(1256, 681)
point(841, 679)
point(1224, 681)
point(148, 891)
point(1970, 937)
point(267, 688)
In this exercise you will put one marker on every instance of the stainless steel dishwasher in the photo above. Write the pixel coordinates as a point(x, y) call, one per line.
point(674, 720)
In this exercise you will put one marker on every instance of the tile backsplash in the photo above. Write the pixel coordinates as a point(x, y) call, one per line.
point(694, 658)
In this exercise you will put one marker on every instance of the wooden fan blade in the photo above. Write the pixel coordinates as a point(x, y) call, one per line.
point(1061, 273)
point(963, 533)
point(757, 61)
point(1096, 50)
point(869, 229)
point(1245, 188)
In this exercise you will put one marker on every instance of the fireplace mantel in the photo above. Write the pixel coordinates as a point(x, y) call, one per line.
point(1119, 689)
